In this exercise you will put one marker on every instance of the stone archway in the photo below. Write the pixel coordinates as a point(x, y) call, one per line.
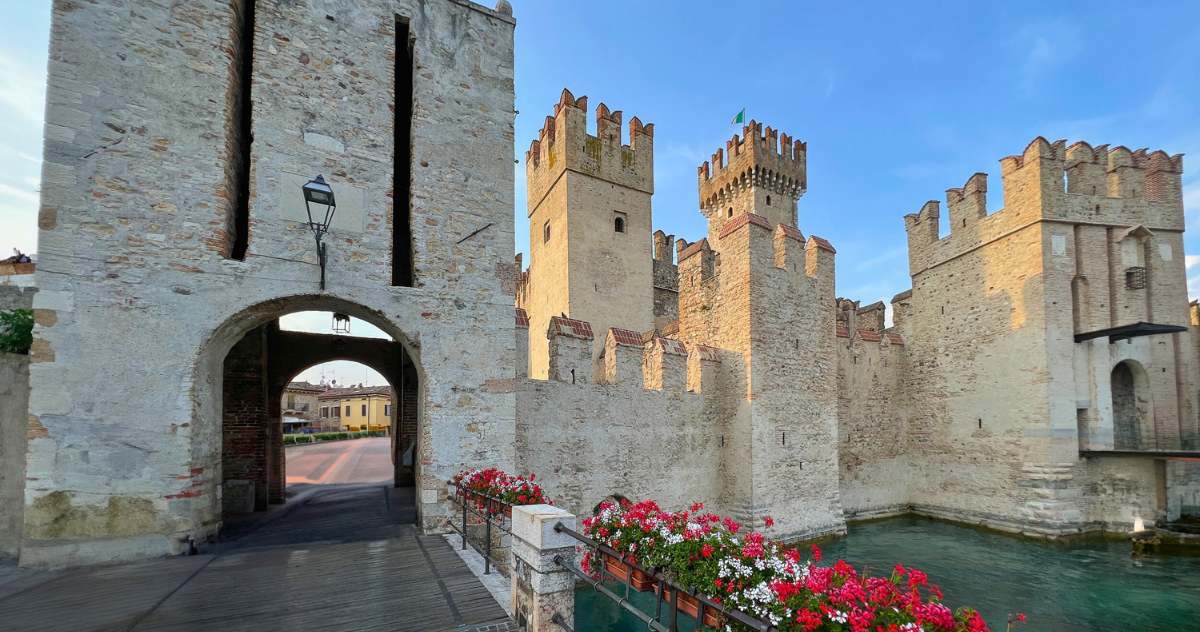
point(241, 373)
point(294, 352)
point(1131, 404)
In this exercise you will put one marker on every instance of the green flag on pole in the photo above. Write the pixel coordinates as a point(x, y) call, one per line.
point(739, 118)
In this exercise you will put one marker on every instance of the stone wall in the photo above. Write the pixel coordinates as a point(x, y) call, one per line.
point(16, 292)
point(666, 293)
point(872, 423)
point(1002, 397)
point(14, 423)
point(641, 432)
point(1183, 489)
point(133, 245)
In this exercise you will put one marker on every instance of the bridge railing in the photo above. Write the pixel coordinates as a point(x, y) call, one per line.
point(485, 524)
point(670, 601)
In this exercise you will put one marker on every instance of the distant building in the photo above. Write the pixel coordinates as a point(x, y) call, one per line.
point(357, 408)
point(299, 406)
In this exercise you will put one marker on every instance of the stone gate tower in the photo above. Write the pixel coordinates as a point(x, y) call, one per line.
point(173, 237)
point(756, 286)
point(589, 224)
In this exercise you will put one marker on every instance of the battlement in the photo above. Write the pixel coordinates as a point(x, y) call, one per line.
point(563, 143)
point(649, 361)
point(864, 323)
point(662, 246)
point(788, 248)
point(758, 159)
point(1076, 183)
point(885, 338)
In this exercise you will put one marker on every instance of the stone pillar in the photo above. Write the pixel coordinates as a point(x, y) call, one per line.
point(540, 587)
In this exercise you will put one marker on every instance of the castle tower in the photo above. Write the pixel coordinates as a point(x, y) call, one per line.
point(589, 224)
point(1072, 300)
point(761, 172)
point(767, 293)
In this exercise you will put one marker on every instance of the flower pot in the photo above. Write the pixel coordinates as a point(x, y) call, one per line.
point(690, 606)
point(623, 572)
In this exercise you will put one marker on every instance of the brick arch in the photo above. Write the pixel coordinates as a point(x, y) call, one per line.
point(239, 374)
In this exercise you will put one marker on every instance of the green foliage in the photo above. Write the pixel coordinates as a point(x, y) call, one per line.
point(318, 437)
point(16, 330)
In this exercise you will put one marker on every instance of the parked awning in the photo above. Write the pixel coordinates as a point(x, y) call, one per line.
point(1182, 455)
point(1130, 331)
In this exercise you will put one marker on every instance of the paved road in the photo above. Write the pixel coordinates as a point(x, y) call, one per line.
point(338, 462)
point(338, 558)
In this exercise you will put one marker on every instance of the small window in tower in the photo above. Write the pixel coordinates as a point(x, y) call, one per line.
point(619, 222)
point(730, 214)
point(768, 200)
point(546, 232)
point(1135, 278)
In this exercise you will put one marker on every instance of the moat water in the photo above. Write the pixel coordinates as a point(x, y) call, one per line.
point(1089, 584)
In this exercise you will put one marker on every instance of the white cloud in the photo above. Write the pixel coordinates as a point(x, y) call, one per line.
point(343, 372)
point(830, 82)
point(322, 323)
point(26, 196)
point(1191, 195)
point(18, 225)
point(882, 258)
point(1045, 46)
point(22, 93)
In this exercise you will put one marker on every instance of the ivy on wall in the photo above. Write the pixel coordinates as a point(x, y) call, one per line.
point(16, 330)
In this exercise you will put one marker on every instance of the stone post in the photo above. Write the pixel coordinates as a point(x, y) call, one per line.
point(541, 588)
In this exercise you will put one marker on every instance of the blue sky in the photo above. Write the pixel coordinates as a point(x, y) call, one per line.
point(897, 101)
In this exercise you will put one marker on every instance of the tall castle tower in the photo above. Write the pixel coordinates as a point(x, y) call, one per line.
point(757, 287)
point(589, 224)
point(760, 173)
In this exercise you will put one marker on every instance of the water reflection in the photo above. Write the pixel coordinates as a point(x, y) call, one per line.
point(1090, 584)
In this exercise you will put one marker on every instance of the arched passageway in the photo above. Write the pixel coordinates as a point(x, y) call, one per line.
point(1130, 404)
point(253, 375)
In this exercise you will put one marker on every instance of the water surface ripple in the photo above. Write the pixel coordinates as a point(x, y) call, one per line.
point(1076, 585)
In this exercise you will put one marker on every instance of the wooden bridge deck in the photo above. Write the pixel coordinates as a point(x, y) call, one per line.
point(336, 561)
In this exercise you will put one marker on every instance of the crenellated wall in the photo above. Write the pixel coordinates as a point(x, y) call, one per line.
point(649, 425)
point(1002, 397)
point(762, 172)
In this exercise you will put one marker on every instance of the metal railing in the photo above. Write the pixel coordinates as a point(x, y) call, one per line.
point(662, 586)
point(494, 515)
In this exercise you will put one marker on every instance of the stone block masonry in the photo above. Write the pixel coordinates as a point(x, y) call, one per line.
point(171, 234)
point(16, 292)
point(1003, 399)
point(589, 214)
point(134, 238)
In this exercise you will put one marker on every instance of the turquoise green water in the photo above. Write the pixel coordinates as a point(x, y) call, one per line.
point(1081, 585)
